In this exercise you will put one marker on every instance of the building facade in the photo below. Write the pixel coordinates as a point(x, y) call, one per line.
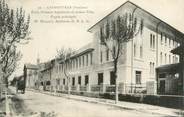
point(141, 55)
point(91, 67)
point(170, 77)
point(30, 75)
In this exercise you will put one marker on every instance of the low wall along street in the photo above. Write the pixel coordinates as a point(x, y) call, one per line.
point(171, 101)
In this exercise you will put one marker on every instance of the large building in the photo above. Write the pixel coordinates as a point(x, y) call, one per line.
point(91, 67)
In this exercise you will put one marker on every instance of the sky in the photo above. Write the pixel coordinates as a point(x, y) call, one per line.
point(48, 37)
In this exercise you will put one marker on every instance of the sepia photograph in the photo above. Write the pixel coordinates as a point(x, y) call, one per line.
point(91, 58)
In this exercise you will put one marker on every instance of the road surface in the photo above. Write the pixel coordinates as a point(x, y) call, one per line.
point(38, 104)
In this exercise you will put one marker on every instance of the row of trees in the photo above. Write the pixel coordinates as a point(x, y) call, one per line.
point(14, 30)
point(113, 34)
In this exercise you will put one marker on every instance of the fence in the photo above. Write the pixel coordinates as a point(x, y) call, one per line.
point(139, 93)
point(123, 88)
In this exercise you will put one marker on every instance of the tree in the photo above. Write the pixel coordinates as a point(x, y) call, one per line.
point(64, 55)
point(10, 63)
point(14, 30)
point(116, 32)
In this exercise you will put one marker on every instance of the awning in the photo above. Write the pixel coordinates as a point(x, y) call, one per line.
point(169, 68)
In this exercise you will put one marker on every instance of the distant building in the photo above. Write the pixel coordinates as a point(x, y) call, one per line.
point(31, 75)
point(46, 75)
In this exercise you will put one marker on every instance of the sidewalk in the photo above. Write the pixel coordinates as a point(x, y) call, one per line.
point(121, 104)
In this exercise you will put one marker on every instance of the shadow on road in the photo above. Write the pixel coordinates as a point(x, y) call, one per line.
point(20, 109)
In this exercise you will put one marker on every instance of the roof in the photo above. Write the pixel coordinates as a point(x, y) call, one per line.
point(134, 7)
point(47, 66)
point(45, 69)
point(31, 66)
point(85, 49)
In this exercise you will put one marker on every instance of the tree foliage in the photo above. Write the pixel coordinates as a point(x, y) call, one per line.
point(14, 30)
point(64, 56)
point(117, 31)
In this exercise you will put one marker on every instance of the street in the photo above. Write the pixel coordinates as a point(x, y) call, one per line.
point(51, 106)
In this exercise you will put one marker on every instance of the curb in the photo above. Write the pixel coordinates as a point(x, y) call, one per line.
point(98, 102)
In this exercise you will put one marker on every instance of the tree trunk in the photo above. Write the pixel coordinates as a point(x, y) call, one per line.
point(68, 87)
point(4, 80)
point(116, 81)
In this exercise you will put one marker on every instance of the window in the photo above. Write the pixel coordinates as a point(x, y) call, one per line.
point(112, 78)
point(83, 60)
point(100, 78)
point(73, 64)
point(91, 58)
point(161, 58)
point(141, 52)
point(161, 36)
point(169, 42)
point(151, 44)
point(87, 60)
point(48, 83)
point(165, 40)
point(76, 63)
point(65, 65)
point(138, 77)
point(73, 81)
point(152, 41)
point(101, 57)
point(86, 79)
point(63, 81)
point(107, 55)
point(134, 50)
point(79, 61)
point(165, 58)
point(79, 80)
